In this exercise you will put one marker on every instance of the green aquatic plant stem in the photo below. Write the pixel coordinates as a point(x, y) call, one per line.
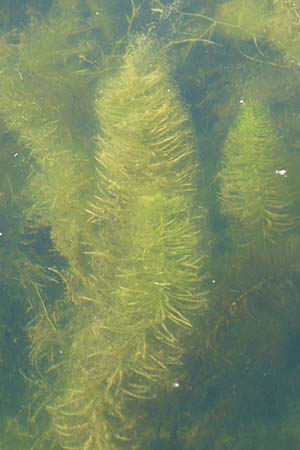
point(255, 195)
point(146, 259)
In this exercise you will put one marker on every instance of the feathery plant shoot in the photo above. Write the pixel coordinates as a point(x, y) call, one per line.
point(255, 192)
point(145, 258)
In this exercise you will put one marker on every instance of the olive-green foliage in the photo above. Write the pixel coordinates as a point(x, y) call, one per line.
point(246, 18)
point(251, 356)
point(21, 272)
point(254, 195)
point(145, 259)
point(45, 97)
point(42, 80)
point(46, 91)
point(14, 435)
point(275, 22)
point(127, 225)
point(282, 30)
point(106, 20)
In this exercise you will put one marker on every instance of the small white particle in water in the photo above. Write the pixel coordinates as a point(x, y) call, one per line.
point(175, 385)
point(281, 172)
point(213, 281)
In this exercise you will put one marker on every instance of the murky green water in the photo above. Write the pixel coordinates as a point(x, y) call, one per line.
point(149, 224)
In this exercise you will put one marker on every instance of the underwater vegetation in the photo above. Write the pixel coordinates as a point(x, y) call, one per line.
point(255, 192)
point(248, 18)
point(145, 262)
point(275, 22)
point(149, 226)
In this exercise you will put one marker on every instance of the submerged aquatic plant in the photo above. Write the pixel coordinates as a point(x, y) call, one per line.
point(126, 223)
point(146, 262)
point(246, 18)
point(255, 193)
